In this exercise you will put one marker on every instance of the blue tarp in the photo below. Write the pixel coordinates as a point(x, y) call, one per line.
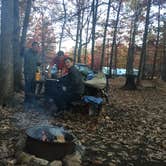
point(92, 99)
point(90, 76)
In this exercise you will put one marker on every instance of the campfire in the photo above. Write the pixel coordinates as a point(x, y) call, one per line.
point(49, 142)
point(48, 137)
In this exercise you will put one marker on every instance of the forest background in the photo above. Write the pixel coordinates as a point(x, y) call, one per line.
point(117, 34)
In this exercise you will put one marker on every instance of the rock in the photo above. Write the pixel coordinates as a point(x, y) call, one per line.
point(72, 159)
point(80, 149)
point(20, 144)
point(97, 162)
point(111, 164)
point(8, 162)
point(27, 159)
point(38, 161)
point(164, 144)
point(11, 162)
point(24, 158)
point(4, 151)
point(110, 154)
point(56, 163)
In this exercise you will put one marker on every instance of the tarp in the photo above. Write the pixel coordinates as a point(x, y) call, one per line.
point(99, 81)
point(92, 99)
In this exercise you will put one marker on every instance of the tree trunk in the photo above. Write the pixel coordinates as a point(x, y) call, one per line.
point(157, 43)
point(63, 26)
point(105, 33)
point(6, 59)
point(16, 49)
point(88, 36)
point(163, 65)
point(143, 50)
point(86, 42)
point(163, 71)
point(80, 38)
point(130, 81)
point(25, 26)
point(43, 31)
point(77, 36)
point(113, 48)
point(94, 20)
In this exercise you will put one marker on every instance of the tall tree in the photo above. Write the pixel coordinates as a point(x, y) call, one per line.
point(16, 48)
point(94, 21)
point(77, 33)
point(64, 23)
point(142, 62)
point(80, 33)
point(157, 41)
point(104, 37)
point(163, 65)
point(25, 26)
point(113, 48)
point(130, 81)
point(6, 58)
point(87, 37)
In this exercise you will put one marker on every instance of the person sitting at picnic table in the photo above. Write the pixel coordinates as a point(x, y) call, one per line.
point(72, 86)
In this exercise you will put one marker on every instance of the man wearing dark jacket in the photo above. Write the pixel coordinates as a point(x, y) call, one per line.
point(74, 78)
point(72, 85)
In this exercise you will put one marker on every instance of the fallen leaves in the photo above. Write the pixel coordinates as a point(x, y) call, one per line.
point(131, 129)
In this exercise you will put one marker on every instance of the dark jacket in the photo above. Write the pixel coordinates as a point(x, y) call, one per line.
point(75, 81)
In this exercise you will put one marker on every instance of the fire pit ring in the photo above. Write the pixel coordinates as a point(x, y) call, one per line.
point(42, 141)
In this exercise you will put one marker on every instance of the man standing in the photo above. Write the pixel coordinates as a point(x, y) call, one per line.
point(31, 62)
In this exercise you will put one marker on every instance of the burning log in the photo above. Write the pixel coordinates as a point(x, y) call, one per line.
point(47, 137)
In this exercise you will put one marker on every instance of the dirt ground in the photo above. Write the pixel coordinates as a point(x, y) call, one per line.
point(130, 130)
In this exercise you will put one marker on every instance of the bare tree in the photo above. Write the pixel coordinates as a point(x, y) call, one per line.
point(143, 50)
point(157, 41)
point(94, 21)
point(130, 79)
point(64, 23)
point(113, 48)
point(16, 48)
point(88, 36)
point(104, 38)
point(25, 26)
point(77, 33)
point(163, 65)
point(6, 58)
point(80, 33)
